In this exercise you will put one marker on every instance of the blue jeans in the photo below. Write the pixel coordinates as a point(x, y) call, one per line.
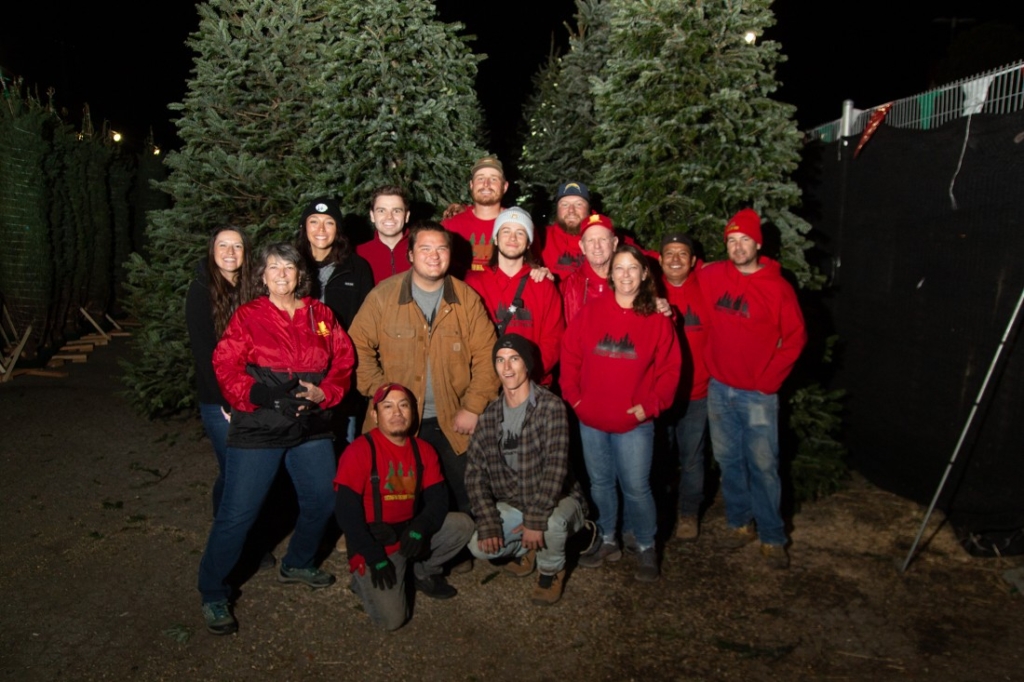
point(566, 518)
point(623, 458)
point(216, 427)
point(745, 438)
point(248, 475)
point(686, 429)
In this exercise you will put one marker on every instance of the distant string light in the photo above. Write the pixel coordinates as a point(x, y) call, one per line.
point(115, 136)
point(749, 37)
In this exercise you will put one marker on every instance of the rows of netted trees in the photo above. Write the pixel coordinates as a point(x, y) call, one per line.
point(661, 106)
point(72, 204)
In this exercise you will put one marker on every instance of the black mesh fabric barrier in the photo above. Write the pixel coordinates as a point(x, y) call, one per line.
point(921, 296)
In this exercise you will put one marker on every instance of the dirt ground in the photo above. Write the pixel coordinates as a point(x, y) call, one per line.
point(105, 515)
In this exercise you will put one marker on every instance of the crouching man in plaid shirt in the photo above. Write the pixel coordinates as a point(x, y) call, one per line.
point(524, 498)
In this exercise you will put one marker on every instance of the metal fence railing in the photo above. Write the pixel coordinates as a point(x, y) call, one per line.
point(1000, 91)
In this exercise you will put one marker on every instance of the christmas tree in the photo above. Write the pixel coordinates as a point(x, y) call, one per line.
point(687, 132)
point(559, 114)
point(288, 101)
point(401, 86)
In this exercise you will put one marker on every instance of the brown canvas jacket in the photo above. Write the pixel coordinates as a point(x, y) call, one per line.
point(394, 343)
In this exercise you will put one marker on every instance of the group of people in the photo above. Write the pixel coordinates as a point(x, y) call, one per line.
point(456, 366)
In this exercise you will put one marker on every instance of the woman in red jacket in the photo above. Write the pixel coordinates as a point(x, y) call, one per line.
point(620, 368)
point(282, 360)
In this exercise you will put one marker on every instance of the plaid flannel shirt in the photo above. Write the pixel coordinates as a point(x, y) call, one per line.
point(543, 477)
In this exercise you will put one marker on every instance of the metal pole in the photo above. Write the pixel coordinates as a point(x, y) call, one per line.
point(967, 427)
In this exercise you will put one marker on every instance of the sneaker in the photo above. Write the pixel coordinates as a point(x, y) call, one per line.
point(647, 565)
point(312, 577)
point(687, 529)
point(606, 551)
point(522, 566)
point(734, 538)
point(435, 587)
point(775, 555)
point(267, 562)
point(548, 589)
point(629, 543)
point(219, 620)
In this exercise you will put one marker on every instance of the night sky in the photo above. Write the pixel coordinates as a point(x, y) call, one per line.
point(129, 67)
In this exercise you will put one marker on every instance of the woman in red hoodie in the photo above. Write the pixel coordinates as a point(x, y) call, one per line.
point(620, 368)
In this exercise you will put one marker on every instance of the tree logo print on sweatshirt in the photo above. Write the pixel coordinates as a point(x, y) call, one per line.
point(400, 484)
point(616, 348)
point(512, 312)
point(568, 260)
point(691, 318)
point(737, 306)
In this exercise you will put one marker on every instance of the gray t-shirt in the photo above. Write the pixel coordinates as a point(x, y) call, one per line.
point(511, 429)
point(429, 302)
point(324, 273)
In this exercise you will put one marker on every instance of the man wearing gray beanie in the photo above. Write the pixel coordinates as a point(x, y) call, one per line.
point(520, 297)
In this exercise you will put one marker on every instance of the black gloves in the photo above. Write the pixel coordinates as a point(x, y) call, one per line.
point(280, 399)
point(414, 539)
point(266, 396)
point(382, 575)
point(289, 407)
point(413, 543)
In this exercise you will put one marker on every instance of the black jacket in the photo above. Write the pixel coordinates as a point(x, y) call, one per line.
point(202, 337)
point(346, 289)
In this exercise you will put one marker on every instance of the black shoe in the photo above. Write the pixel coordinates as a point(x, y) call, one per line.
point(312, 576)
point(435, 587)
point(219, 619)
point(267, 562)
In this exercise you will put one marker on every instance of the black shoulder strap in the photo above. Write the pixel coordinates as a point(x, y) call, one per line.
point(419, 464)
point(517, 302)
point(378, 511)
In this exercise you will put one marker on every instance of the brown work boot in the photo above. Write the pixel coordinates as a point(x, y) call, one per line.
point(548, 589)
point(687, 529)
point(522, 566)
point(734, 538)
point(463, 566)
point(775, 555)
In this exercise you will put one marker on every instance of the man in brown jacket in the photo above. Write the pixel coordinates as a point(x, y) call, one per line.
point(428, 331)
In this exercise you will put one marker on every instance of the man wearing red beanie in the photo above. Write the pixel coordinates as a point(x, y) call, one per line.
point(757, 334)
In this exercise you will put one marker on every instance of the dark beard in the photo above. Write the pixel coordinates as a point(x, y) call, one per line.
point(568, 230)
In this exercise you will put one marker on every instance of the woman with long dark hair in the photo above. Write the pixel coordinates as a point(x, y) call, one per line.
point(620, 368)
point(223, 282)
point(340, 279)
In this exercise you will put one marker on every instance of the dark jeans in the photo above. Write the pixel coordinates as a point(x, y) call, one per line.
point(216, 427)
point(686, 426)
point(453, 465)
point(248, 475)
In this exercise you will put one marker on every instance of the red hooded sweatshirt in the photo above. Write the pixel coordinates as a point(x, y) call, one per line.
point(757, 329)
point(693, 319)
point(613, 359)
